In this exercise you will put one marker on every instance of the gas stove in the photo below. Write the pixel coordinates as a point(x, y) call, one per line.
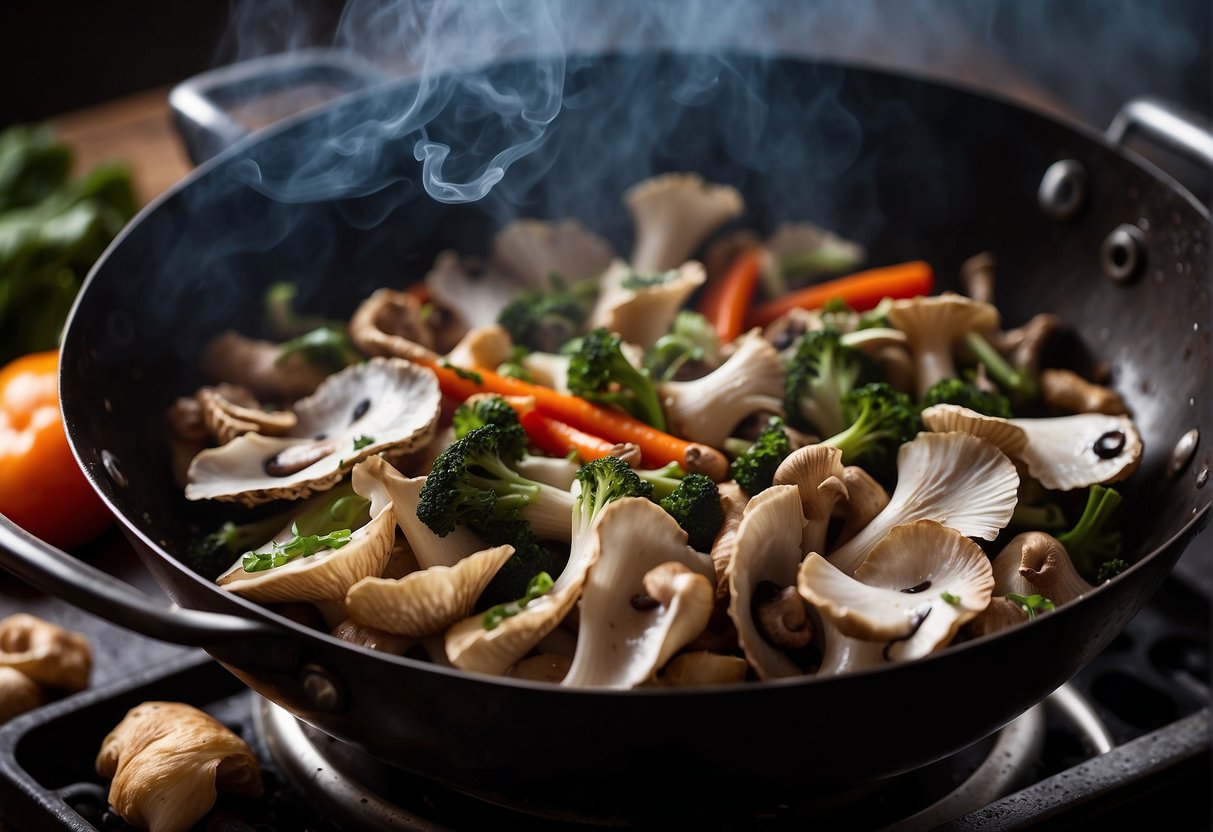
point(1124, 745)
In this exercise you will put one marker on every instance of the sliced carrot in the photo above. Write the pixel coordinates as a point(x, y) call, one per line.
point(554, 437)
point(726, 301)
point(861, 291)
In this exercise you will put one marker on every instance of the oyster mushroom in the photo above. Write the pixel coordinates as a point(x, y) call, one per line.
point(382, 405)
point(255, 365)
point(977, 277)
point(18, 694)
point(767, 555)
point(533, 250)
point(673, 214)
point(647, 594)
point(1035, 563)
point(45, 652)
point(229, 411)
point(389, 324)
point(373, 639)
point(324, 577)
point(640, 310)
point(483, 346)
point(545, 667)
point(472, 292)
point(955, 479)
point(1001, 614)
point(933, 326)
point(168, 761)
point(865, 500)
point(548, 369)
point(426, 602)
point(702, 668)
point(1068, 391)
point(842, 654)
point(733, 501)
point(816, 471)
point(913, 591)
point(1062, 453)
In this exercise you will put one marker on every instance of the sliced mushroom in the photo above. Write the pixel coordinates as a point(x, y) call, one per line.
point(733, 501)
point(816, 471)
point(533, 250)
point(933, 325)
point(673, 214)
point(1035, 563)
point(768, 552)
point(168, 761)
point(1062, 453)
point(702, 668)
point(426, 602)
point(642, 313)
point(382, 405)
point(955, 479)
point(228, 414)
point(389, 324)
point(373, 639)
point(258, 366)
point(913, 591)
point(1068, 391)
point(18, 694)
point(325, 577)
point(470, 646)
point(558, 472)
point(483, 346)
point(865, 500)
point(45, 652)
point(647, 594)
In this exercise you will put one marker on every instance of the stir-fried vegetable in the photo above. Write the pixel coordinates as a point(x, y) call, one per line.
point(860, 291)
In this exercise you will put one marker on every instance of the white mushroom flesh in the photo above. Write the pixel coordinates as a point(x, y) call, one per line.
point(673, 214)
point(641, 314)
point(533, 250)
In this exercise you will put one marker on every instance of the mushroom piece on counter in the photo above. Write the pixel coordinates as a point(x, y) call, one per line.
point(45, 652)
point(168, 761)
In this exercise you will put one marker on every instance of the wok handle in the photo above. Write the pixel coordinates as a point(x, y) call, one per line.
point(204, 106)
point(85, 586)
point(1166, 125)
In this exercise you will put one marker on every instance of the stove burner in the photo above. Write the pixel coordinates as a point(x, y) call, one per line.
point(357, 791)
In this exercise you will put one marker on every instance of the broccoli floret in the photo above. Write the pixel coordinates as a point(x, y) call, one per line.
point(529, 559)
point(1109, 569)
point(492, 410)
point(880, 420)
point(599, 372)
point(544, 320)
point(1093, 541)
point(822, 371)
point(664, 480)
point(959, 392)
point(755, 469)
point(603, 481)
point(695, 504)
point(471, 482)
point(690, 340)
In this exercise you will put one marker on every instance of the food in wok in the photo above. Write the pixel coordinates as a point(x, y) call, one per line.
point(561, 465)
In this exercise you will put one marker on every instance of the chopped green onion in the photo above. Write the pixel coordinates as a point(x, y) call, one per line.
point(949, 598)
point(538, 585)
point(297, 546)
point(1032, 604)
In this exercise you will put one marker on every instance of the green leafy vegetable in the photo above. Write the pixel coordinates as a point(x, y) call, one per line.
point(299, 545)
point(325, 346)
point(361, 442)
point(1032, 604)
point(541, 584)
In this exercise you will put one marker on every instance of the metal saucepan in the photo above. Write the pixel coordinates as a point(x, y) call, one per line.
point(914, 169)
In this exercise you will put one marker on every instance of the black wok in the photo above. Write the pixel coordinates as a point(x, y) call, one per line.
point(914, 169)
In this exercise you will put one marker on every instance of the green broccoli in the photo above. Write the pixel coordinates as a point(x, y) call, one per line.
point(545, 320)
point(820, 374)
point(959, 392)
point(880, 420)
point(599, 372)
point(1093, 544)
point(755, 469)
point(1020, 385)
point(691, 340)
point(695, 504)
point(529, 559)
point(602, 481)
point(492, 410)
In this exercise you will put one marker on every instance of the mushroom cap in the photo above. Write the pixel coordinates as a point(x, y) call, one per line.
point(482, 346)
point(674, 213)
point(532, 250)
point(426, 602)
point(391, 401)
point(897, 592)
point(328, 574)
point(767, 549)
point(955, 479)
point(703, 668)
point(642, 314)
point(707, 409)
point(642, 552)
point(473, 293)
point(816, 471)
point(1001, 614)
point(389, 324)
point(254, 364)
point(18, 694)
point(469, 646)
point(865, 500)
point(933, 324)
point(793, 238)
point(1035, 563)
point(45, 652)
point(228, 414)
point(168, 760)
point(1008, 438)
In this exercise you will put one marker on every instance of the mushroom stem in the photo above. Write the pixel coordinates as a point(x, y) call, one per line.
point(783, 618)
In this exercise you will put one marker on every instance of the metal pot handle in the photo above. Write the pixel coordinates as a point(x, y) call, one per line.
point(58, 573)
point(1166, 124)
point(204, 106)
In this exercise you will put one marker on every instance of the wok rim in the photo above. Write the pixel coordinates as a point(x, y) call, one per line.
point(294, 630)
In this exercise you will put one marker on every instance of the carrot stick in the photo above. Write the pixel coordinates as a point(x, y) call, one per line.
point(557, 438)
point(656, 447)
point(861, 291)
point(726, 301)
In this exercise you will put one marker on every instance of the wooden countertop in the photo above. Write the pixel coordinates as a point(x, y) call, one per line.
point(137, 129)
